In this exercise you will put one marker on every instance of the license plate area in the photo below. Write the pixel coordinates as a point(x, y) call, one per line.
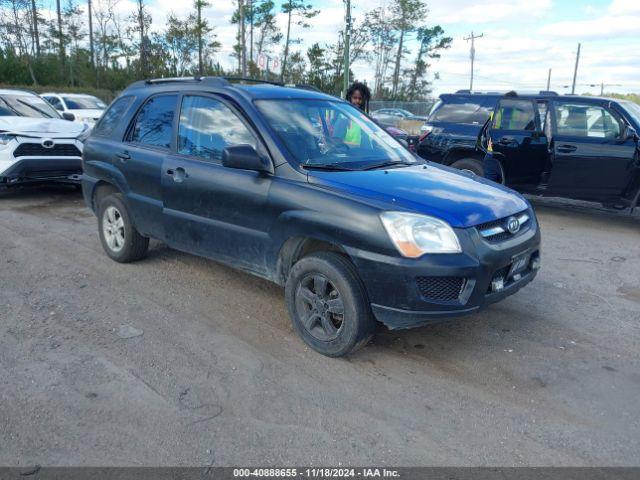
point(519, 264)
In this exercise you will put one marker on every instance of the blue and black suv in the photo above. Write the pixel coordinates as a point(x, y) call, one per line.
point(305, 190)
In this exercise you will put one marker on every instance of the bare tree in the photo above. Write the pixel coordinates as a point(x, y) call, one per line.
point(36, 35)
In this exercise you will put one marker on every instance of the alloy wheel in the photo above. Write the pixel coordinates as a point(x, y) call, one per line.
point(320, 307)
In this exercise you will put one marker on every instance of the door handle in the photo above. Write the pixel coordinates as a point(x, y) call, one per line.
point(123, 156)
point(567, 148)
point(179, 174)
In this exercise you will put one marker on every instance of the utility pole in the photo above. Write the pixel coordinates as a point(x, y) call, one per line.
point(549, 81)
point(472, 37)
point(347, 37)
point(575, 72)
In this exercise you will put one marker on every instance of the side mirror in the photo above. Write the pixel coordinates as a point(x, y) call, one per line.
point(630, 133)
point(68, 116)
point(245, 157)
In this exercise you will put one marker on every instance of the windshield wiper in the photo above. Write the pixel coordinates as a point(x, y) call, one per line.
point(33, 107)
point(327, 166)
point(11, 107)
point(389, 163)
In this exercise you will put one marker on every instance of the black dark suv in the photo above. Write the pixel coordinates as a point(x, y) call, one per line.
point(569, 146)
point(305, 190)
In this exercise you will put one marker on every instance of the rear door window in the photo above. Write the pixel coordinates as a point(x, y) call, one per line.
point(514, 115)
point(112, 116)
point(154, 123)
point(469, 111)
point(581, 120)
point(207, 126)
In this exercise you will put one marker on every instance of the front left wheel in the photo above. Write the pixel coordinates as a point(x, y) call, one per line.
point(328, 304)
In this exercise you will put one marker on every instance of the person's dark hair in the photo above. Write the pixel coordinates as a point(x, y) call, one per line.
point(364, 91)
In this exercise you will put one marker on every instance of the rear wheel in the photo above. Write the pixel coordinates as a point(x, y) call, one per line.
point(120, 239)
point(470, 165)
point(328, 304)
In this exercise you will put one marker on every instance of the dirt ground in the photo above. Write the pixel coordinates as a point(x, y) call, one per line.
point(214, 374)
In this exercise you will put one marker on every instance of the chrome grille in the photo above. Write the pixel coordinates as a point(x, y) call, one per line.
point(497, 231)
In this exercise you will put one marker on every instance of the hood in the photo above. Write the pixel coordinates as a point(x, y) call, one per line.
point(87, 112)
point(33, 127)
point(460, 200)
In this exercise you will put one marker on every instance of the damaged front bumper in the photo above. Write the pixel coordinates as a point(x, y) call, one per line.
point(42, 170)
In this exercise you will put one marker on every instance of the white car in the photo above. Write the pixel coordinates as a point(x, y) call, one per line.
point(36, 143)
point(77, 107)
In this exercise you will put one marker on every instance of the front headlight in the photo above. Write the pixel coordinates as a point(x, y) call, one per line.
point(85, 134)
point(5, 139)
point(414, 234)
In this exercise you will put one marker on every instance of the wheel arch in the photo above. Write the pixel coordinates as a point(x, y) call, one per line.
point(456, 154)
point(101, 189)
point(298, 247)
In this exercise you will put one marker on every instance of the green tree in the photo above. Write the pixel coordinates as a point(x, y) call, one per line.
point(264, 20)
point(432, 42)
point(297, 12)
point(405, 17)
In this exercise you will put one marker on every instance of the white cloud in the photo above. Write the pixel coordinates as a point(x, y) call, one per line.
point(522, 40)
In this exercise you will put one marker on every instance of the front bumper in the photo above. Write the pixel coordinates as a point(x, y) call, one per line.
point(407, 293)
point(38, 170)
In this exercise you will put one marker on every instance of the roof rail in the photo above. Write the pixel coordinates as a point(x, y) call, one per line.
point(218, 81)
point(153, 81)
point(463, 91)
point(304, 86)
point(548, 92)
point(252, 80)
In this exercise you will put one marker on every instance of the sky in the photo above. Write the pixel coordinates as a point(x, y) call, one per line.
point(521, 40)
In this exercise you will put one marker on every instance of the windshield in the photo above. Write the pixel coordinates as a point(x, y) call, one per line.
point(80, 103)
point(633, 109)
point(328, 133)
point(25, 106)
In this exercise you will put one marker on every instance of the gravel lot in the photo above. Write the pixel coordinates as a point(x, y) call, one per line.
point(551, 376)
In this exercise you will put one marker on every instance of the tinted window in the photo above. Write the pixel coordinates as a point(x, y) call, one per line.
point(207, 126)
point(79, 103)
point(514, 115)
point(464, 111)
point(55, 101)
point(154, 123)
point(632, 109)
point(113, 116)
point(586, 121)
point(543, 116)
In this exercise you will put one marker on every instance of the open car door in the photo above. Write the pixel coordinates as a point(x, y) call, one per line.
point(517, 136)
point(593, 157)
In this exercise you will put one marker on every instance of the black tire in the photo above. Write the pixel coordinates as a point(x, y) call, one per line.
point(346, 332)
point(130, 245)
point(471, 164)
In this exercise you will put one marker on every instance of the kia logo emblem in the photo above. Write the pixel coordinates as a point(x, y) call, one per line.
point(48, 143)
point(513, 225)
